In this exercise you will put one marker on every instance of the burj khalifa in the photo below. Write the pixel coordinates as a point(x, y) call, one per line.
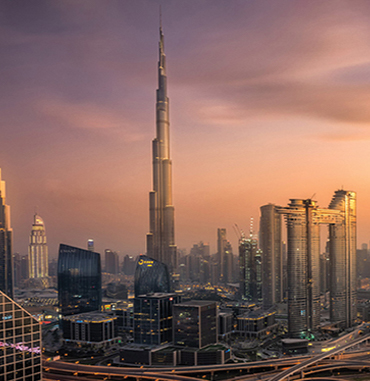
point(161, 237)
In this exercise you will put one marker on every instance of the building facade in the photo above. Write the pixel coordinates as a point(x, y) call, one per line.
point(38, 259)
point(250, 270)
point(6, 245)
point(92, 330)
point(195, 323)
point(161, 237)
point(20, 342)
point(272, 264)
point(151, 276)
point(153, 318)
point(79, 280)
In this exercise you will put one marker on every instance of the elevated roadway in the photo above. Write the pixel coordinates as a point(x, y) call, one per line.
point(304, 364)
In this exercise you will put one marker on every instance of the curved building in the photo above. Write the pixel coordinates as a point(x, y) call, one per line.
point(79, 280)
point(151, 276)
point(38, 250)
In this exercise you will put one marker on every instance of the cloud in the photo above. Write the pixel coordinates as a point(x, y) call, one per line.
point(88, 116)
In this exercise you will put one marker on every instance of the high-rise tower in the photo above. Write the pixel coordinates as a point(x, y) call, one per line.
point(6, 244)
point(161, 238)
point(38, 250)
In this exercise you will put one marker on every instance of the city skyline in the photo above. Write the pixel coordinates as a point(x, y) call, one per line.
point(268, 101)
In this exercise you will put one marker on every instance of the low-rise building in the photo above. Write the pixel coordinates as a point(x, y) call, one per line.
point(93, 330)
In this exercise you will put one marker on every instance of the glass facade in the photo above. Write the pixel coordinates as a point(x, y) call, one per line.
point(195, 323)
point(153, 318)
point(151, 276)
point(79, 280)
point(20, 343)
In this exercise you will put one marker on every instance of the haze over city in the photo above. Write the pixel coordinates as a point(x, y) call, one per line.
point(268, 101)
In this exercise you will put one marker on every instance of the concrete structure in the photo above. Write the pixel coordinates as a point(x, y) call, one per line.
point(272, 261)
point(6, 245)
point(161, 237)
point(195, 323)
point(303, 218)
point(153, 318)
point(20, 342)
point(38, 259)
point(91, 330)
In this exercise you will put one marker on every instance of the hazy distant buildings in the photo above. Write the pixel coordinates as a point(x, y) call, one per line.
point(151, 276)
point(20, 269)
point(250, 270)
point(90, 245)
point(6, 245)
point(111, 262)
point(129, 265)
point(79, 280)
point(303, 218)
point(38, 250)
point(20, 354)
point(161, 236)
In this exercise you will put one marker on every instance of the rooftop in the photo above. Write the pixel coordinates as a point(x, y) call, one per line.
point(196, 303)
point(90, 317)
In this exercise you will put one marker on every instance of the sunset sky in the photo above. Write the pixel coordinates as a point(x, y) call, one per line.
point(269, 100)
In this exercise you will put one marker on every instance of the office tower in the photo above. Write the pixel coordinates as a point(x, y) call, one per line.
point(6, 245)
point(153, 318)
point(129, 265)
point(161, 238)
point(303, 219)
point(38, 250)
point(250, 270)
point(79, 280)
point(90, 245)
point(271, 246)
point(151, 276)
point(195, 323)
point(342, 237)
point(111, 262)
point(20, 341)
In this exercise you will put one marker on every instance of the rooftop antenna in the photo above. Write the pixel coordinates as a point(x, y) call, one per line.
point(160, 17)
point(251, 228)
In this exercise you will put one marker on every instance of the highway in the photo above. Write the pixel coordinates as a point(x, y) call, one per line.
point(299, 367)
point(267, 368)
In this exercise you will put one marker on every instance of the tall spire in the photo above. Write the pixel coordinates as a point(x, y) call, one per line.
point(161, 239)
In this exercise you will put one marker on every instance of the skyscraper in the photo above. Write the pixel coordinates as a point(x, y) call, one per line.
point(303, 218)
point(161, 237)
point(250, 270)
point(38, 250)
point(271, 246)
point(6, 245)
point(79, 280)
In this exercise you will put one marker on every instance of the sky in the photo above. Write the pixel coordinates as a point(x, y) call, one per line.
point(269, 100)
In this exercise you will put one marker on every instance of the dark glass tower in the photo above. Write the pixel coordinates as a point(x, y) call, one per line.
point(151, 276)
point(6, 240)
point(79, 280)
